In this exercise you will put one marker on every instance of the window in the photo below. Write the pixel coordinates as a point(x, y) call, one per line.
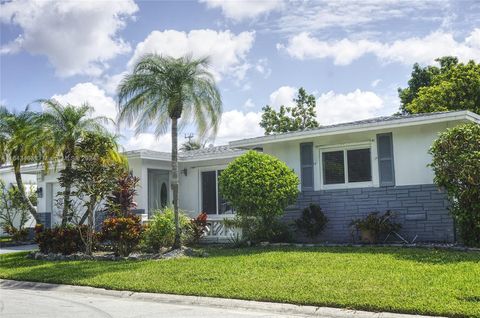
point(346, 166)
point(212, 200)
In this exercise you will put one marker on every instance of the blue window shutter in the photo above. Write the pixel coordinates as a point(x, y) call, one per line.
point(306, 165)
point(386, 167)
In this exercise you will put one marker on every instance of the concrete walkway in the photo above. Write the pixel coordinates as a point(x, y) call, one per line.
point(18, 248)
point(27, 299)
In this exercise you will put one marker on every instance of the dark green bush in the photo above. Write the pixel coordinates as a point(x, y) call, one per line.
point(63, 240)
point(456, 163)
point(259, 187)
point(312, 222)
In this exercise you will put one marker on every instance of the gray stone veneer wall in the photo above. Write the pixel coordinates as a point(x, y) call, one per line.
point(421, 209)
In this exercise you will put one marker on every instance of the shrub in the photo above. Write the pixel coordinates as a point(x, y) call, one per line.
point(160, 231)
point(456, 163)
point(16, 234)
point(375, 225)
point(64, 240)
point(259, 186)
point(198, 227)
point(123, 233)
point(122, 199)
point(254, 230)
point(312, 221)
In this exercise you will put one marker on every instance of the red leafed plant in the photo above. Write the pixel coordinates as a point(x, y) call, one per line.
point(123, 233)
point(122, 199)
point(198, 227)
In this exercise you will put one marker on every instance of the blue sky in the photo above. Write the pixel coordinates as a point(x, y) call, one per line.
point(352, 55)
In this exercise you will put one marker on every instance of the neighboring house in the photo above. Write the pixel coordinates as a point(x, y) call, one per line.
point(29, 179)
point(349, 169)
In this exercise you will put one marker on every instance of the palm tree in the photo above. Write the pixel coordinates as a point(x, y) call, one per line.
point(161, 91)
point(19, 144)
point(191, 145)
point(67, 124)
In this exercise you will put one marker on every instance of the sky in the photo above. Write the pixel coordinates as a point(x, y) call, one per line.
point(352, 55)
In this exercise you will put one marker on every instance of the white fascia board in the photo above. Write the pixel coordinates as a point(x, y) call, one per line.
point(354, 128)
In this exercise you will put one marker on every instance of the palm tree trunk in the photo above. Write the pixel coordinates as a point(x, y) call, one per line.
point(21, 189)
point(177, 243)
point(68, 160)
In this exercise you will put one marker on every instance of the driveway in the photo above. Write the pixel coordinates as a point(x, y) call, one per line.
point(19, 248)
point(26, 299)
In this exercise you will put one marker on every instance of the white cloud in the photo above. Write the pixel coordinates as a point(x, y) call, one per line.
point(149, 141)
point(283, 96)
point(78, 37)
point(407, 51)
point(90, 93)
point(335, 108)
point(249, 103)
point(227, 50)
point(238, 125)
point(348, 16)
point(375, 83)
point(242, 10)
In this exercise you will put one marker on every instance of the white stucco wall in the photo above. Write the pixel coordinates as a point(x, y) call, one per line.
point(410, 146)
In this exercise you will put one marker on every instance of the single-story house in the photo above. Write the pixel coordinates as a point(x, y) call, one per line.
point(349, 169)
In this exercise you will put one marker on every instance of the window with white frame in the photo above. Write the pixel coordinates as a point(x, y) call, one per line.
point(212, 200)
point(346, 166)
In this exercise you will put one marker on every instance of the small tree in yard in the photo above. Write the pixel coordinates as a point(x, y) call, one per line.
point(259, 187)
point(95, 172)
point(14, 211)
point(456, 163)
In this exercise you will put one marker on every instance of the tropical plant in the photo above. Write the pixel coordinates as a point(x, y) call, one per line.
point(60, 239)
point(20, 143)
point(161, 230)
point(374, 225)
point(165, 91)
point(198, 227)
point(14, 212)
point(96, 167)
point(452, 86)
point(456, 163)
point(191, 145)
point(122, 199)
point(312, 222)
point(123, 233)
point(66, 125)
point(300, 117)
point(260, 186)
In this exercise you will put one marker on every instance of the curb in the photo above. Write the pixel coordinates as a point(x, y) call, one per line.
point(269, 307)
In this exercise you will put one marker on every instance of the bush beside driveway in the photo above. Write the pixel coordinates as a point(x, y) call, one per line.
point(405, 280)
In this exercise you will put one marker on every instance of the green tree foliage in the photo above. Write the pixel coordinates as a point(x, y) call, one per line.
point(300, 117)
point(259, 186)
point(14, 211)
point(65, 126)
point(456, 163)
point(191, 145)
point(20, 143)
point(452, 86)
point(96, 168)
point(160, 92)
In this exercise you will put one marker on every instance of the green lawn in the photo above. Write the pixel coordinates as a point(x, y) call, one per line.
point(372, 278)
point(5, 239)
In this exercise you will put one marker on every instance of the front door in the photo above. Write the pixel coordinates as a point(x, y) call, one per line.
point(158, 194)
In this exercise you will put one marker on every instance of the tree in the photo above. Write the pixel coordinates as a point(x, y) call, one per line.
point(300, 117)
point(14, 212)
point(96, 168)
point(259, 187)
point(66, 125)
point(191, 145)
point(161, 91)
point(452, 86)
point(20, 143)
point(456, 163)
